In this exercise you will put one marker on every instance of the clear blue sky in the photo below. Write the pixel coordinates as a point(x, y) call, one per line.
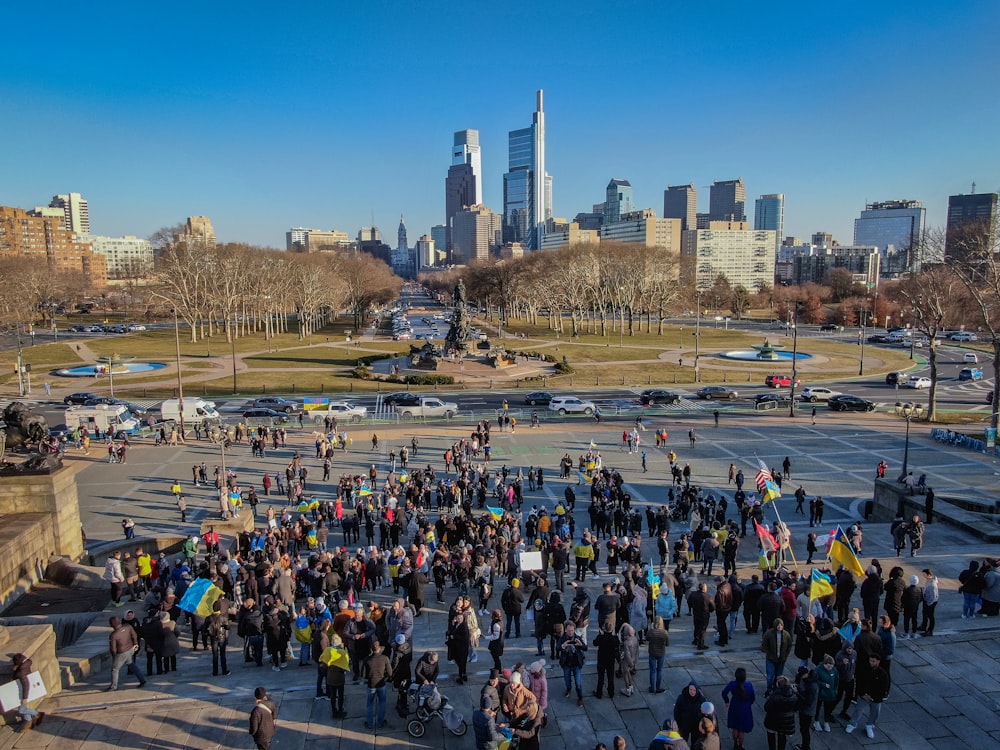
point(266, 116)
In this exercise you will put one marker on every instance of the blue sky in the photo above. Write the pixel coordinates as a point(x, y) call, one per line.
point(318, 114)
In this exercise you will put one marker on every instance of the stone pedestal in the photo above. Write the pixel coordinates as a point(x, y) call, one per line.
point(37, 642)
point(52, 494)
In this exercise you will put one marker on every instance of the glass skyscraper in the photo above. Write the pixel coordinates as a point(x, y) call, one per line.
point(527, 188)
point(769, 215)
point(895, 228)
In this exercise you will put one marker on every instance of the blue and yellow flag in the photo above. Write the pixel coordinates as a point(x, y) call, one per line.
point(654, 581)
point(199, 597)
point(497, 513)
point(842, 553)
point(403, 476)
point(303, 506)
point(365, 489)
point(335, 656)
point(820, 585)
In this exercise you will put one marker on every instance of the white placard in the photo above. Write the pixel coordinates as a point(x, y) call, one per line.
point(531, 561)
point(10, 693)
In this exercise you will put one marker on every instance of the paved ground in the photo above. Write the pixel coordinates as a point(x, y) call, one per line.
point(945, 693)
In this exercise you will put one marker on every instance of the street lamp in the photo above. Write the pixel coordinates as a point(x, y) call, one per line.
point(232, 338)
point(907, 411)
point(795, 352)
point(111, 362)
point(861, 340)
point(697, 336)
point(180, 384)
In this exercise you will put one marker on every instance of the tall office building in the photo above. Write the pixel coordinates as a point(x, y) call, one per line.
point(75, 210)
point(974, 208)
point(439, 233)
point(476, 234)
point(727, 200)
point(769, 215)
point(199, 229)
point(895, 228)
point(527, 188)
point(463, 186)
point(426, 253)
point(617, 201)
point(296, 238)
point(681, 202)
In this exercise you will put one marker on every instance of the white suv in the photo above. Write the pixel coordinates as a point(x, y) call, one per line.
point(817, 393)
point(571, 405)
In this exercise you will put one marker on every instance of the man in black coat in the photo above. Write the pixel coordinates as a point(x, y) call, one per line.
point(607, 644)
point(872, 690)
point(751, 603)
point(702, 606)
point(770, 606)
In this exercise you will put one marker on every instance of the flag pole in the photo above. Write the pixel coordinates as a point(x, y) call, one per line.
point(777, 514)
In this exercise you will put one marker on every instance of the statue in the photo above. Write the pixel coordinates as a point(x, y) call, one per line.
point(459, 295)
point(460, 333)
point(24, 430)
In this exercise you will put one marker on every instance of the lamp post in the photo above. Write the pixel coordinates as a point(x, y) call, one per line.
point(697, 336)
point(795, 352)
point(20, 363)
point(861, 340)
point(907, 411)
point(111, 362)
point(180, 384)
point(232, 339)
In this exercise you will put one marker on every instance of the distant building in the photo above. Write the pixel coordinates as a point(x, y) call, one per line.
point(981, 208)
point(439, 233)
point(476, 234)
point(302, 240)
point(76, 212)
point(126, 257)
point(512, 250)
point(589, 221)
point(769, 215)
point(824, 240)
point(810, 265)
point(895, 227)
point(402, 259)
point(463, 186)
point(643, 228)
point(727, 200)
point(618, 200)
point(295, 239)
point(370, 241)
point(198, 229)
point(572, 235)
point(681, 202)
point(527, 187)
point(426, 252)
point(43, 239)
point(745, 256)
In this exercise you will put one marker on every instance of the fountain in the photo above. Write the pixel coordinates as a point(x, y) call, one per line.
point(766, 352)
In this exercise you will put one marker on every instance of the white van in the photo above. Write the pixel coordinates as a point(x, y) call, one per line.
point(195, 410)
point(114, 417)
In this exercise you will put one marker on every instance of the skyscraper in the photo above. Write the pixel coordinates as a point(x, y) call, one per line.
point(769, 215)
point(76, 212)
point(527, 188)
point(727, 200)
point(895, 228)
point(975, 208)
point(464, 184)
point(475, 234)
point(617, 201)
point(681, 202)
point(401, 235)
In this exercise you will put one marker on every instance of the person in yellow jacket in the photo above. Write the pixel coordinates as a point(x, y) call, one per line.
point(584, 553)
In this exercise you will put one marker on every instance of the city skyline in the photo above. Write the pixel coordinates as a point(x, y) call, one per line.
point(262, 138)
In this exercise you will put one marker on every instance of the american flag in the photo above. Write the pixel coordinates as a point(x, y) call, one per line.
point(763, 476)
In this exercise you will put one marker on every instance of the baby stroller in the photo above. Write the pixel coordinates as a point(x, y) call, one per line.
point(430, 704)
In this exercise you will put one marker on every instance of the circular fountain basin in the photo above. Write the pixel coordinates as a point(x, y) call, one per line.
point(751, 355)
point(125, 368)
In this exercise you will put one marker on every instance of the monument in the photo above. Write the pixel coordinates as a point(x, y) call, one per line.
point(460, 334)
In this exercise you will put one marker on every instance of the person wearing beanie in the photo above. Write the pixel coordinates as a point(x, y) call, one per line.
point(912, 597)
point(687, 710)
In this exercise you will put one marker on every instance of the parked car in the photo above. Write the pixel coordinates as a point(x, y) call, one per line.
point(917, 381)
point(963, 336)
point(277, 403)
point(877, 338)
point(817, 393)
point(538, 398)
point(779, 381)
point(716, 391)
point(970, 373)
point(79, 399)
point(134, 327)
point(571, 405)
point(342, 410)
point(658, 396)
point(402, 398)
point(829, 327)
point(265, 416)
point(847, 402)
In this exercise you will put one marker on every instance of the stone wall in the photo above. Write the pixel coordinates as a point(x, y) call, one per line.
point(26, 541)
point(53, 494)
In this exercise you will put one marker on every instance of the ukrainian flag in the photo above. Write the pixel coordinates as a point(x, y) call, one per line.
point(303, 506)
point(497, 513)
point(199, 597)
point(313, 503)
point(365, 489)
point(820, 585)
point(842, 553)
point(335, 656)
point(403, 476)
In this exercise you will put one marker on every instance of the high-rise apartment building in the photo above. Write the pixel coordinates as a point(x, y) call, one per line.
point(618, 200)
point(43, 239)
point(426, 252)
point(895, 228)
point(476, 233)
point(643, 228)
point(769, 215)
point(463, 186)
point(295, 239)
point(681, 202)
point(745, 256)
point(727, 200)
point(974, 208)
point(199, 229)
point(76, 212)
point(527, 187)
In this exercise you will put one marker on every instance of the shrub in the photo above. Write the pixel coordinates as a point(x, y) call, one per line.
point(563, 368)
point(429, 379)
point(362, 372)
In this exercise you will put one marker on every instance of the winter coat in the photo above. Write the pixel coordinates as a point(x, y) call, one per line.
point(827, 682)
point(780, 709)
point(687, 709)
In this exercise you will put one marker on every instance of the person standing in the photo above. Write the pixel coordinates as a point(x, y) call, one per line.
point(459, 643)
point(723, 606)
point(779, 714)
point(873, 687)
point(738, 695)
point(931, 595)
point(123, 643)
point(114, 576)
point(217, 628)
point(806, 687)
point(776, 645)
point(572, 650)
point(263, 719)
point(607, 644)
point(701, 607)
point(657, 640)
point(378, 673)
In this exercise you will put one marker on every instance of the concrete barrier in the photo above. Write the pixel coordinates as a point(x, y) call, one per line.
point(972, 513)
